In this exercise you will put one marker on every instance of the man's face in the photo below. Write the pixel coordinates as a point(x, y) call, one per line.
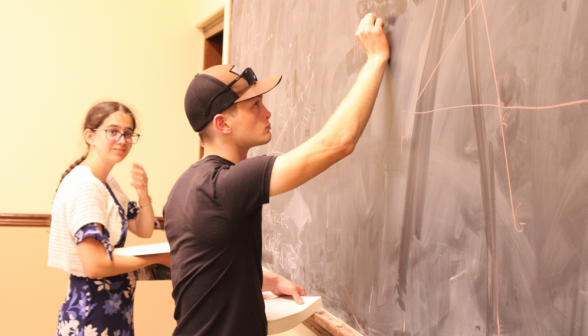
point(251, 123)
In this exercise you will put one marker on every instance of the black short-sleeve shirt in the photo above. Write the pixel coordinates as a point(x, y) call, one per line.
point(213, 224)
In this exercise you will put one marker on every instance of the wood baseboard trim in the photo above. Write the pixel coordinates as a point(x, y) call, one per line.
point(34, 220)
point(332, 325)
point(315, 328)
point(17, 219)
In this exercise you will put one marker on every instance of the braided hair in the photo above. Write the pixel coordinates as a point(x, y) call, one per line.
point(94, 119)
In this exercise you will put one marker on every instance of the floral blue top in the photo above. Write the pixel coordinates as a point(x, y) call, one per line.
point(101, 307)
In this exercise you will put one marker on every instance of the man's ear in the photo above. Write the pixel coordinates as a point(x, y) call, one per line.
point(222, 124)
point(89, 136)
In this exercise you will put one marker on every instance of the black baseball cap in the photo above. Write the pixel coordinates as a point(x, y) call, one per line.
point(217, 88)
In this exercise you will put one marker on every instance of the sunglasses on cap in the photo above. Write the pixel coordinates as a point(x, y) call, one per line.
point(247, 74)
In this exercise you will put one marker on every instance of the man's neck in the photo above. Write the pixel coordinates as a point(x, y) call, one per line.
point(231, 153)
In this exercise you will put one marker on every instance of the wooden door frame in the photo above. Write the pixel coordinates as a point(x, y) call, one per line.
point(212, 24)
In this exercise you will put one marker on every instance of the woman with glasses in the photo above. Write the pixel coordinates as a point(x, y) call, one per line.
point(90, 217)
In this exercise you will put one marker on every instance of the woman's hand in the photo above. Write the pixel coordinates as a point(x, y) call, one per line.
point(139, 180)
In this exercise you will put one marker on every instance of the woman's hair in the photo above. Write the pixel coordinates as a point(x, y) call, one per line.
point(94, 119)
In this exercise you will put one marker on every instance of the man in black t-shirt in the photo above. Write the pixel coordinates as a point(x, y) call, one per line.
point(213, 213)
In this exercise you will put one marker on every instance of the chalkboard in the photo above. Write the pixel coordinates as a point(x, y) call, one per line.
point(464, 208)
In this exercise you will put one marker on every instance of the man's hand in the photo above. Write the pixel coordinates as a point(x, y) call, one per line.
point(282, 286)
point(338, 138)
point(370, 35)
point(286, 287)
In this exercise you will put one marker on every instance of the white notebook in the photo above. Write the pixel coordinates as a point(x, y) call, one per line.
point(143, 249)
point(283, 313)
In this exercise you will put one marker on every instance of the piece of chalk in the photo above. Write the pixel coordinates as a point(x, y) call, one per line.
point(390, 20)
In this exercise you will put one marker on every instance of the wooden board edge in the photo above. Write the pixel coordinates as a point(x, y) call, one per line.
point(315, 327)
point(35, 220)
point(333, 325)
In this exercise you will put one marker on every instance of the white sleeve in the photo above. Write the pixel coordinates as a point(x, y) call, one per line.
point(86, 204)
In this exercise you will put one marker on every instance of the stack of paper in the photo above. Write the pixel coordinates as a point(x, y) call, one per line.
point(143, 249)
point(283, 313)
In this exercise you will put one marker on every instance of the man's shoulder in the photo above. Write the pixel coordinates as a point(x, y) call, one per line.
point(213, 163)
point(200, 172)
point(204, 168)
point(210, 162)
point(213, 172)
point(257, 161)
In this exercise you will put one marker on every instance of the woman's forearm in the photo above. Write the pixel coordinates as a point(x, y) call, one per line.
point(97, 264)
point(144, 223)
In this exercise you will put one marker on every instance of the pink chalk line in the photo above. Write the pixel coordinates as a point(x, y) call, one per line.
point(443, 55)
point(547, 107)
point(521, 230)
point(360, 328)
point(404, 112)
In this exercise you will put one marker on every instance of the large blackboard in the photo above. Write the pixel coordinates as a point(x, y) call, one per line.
point(467, 220)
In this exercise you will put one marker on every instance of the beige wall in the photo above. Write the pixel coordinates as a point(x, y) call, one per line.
point(57, 58)
point(60, 57)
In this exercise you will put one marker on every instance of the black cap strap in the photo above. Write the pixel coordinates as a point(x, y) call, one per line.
point(247, 74)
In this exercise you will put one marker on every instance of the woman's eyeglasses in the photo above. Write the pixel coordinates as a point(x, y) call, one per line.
point(114, 135)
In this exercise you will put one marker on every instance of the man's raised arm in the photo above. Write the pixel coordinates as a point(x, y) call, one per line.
point(338, 137)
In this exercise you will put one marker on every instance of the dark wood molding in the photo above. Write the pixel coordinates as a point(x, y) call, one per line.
point(330, 325)
point(11, 219)
point(35, 220)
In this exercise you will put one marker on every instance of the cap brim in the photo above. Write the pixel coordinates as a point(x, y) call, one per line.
point(261, 87)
